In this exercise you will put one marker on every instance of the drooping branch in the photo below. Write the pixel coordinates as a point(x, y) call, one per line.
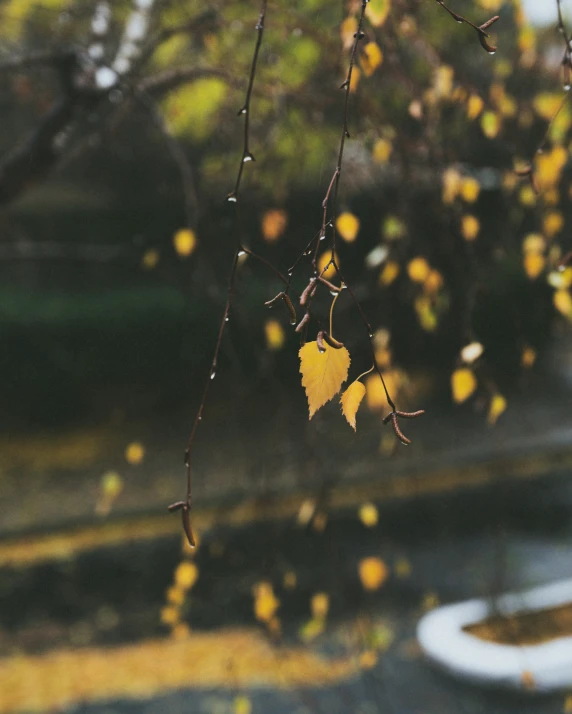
point(186, 505)
point(481, 30)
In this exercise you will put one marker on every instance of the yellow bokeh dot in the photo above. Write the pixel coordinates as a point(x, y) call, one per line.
point(320, 604)
point(274, 333)
point(347, 226)
point(186, 575)
point(373, 572)
point(368, 659)
point(470, 189)
point(382, 151)
point(470, 227)
point(242, 705)
point(184, 242)
point(323, 260)
point(150, 259)
point(368, 515)
point(418, 269)
point(389, 273)
point(134, 453)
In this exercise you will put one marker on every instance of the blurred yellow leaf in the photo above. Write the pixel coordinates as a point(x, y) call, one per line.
point(274, 333)
point(382, 151)
point(111, 484)
point(549, 167)
point(373, 572)
point(470, 227)
point(526, 195)
point(496, 408)
point(553, 223)
point(393, 228)
point(443, 81)
point(186, 575)
point(242, 705)
point(371, 58)
point(546, 104)
point(451, 185)
point(176, 595)
point(528, 357)
point(490, 124)
point(418, 269)
point(533, 264)
point(474, 106)
point(150, 259)
point(350, 400)
point(347, 226)
point(274, 224)
point(368, 659)
point(389, 272)
point(433, 282)
point(377, 11)
point(426, 314)
point(563, 303)
point(134, 453)
point(375, 394)
point(469, 189)
point(463, 384)
point(568, 704)
point(190, 109)
point(312, 629)
point(533, 243)
point(185, 242)
point(323, 260)
point(265, 602)
point(355, 79)
point(368, 515)
point(323, 373)
point(170, 615)
point(319, 605)
point(347, 31)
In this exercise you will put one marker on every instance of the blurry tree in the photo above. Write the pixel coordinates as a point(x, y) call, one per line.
point(453, 207)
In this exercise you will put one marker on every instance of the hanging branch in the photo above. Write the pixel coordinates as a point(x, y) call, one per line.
point(481, 30)
point(185, 505)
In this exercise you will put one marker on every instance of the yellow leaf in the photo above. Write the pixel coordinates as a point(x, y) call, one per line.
point(355, 79)
point(528, 357)
point(451, 185)
point(549, 167)
point(368, 515)
point(347, 226)
point(373, 572)
point(474, 106)
point(470, 227)
point(490, 124)
point(350, 400)
point(553, 223)
point(426, 314)
point(242, 705)
point(347, 31)
point(312, 629)
point(323, 260)
point(393, 228)
point(111, 484)
point(186, 575)
point(375, 393)
point(443, 81)
point(563, 303)
point(265, 602)
point(527, 196)
point(463, 384)
point(134, 453)
point(170, 615)
point(185, 242)
point(389, 272)
point(275, 336)
point(533, 243)
point(323, 373)
point(382, 151)
point(320, 604)
point(547, 104)
point(371, 58)
point(496, 408)
point(470, 189)
point(418, 269)
point(434, 282)
point(533, 264)
point(274, 224)
point(377, 11)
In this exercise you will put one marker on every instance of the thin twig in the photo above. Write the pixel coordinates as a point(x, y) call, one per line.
point(185, 506)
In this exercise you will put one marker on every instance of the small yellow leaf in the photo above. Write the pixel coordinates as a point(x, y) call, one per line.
point(274, 224)
point(373, 572)
point(470, 189)
point(111, 484)
point(533, 243)
point(242, 705)
point(496, 408)
point(563, 303)
point(474, 106)
point(463, 384)
point(347, 226)
point(533, 264)
point(418, 269)
point(265, 602)
point(451, 185)
point(185, 242)
point(350, 400)
point(490, 124)
point(470, 227)
point(433, 282)
point(547, 104)
point(368, 515)
point(382, 151)
point(377, 11)
point(323, 373)
point(312, 629)
point(170, 615)
point(553, 223)
point(320, 604)
point(389, 272)
point(371, 58)
point(274, 333)
point(134, 453)
point(347, 31)
point(186, 575)
point(526, 195)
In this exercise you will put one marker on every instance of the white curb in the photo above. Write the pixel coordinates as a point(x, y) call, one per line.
point(440, 634)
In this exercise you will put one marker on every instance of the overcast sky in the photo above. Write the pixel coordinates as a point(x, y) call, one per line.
point(544, 11)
